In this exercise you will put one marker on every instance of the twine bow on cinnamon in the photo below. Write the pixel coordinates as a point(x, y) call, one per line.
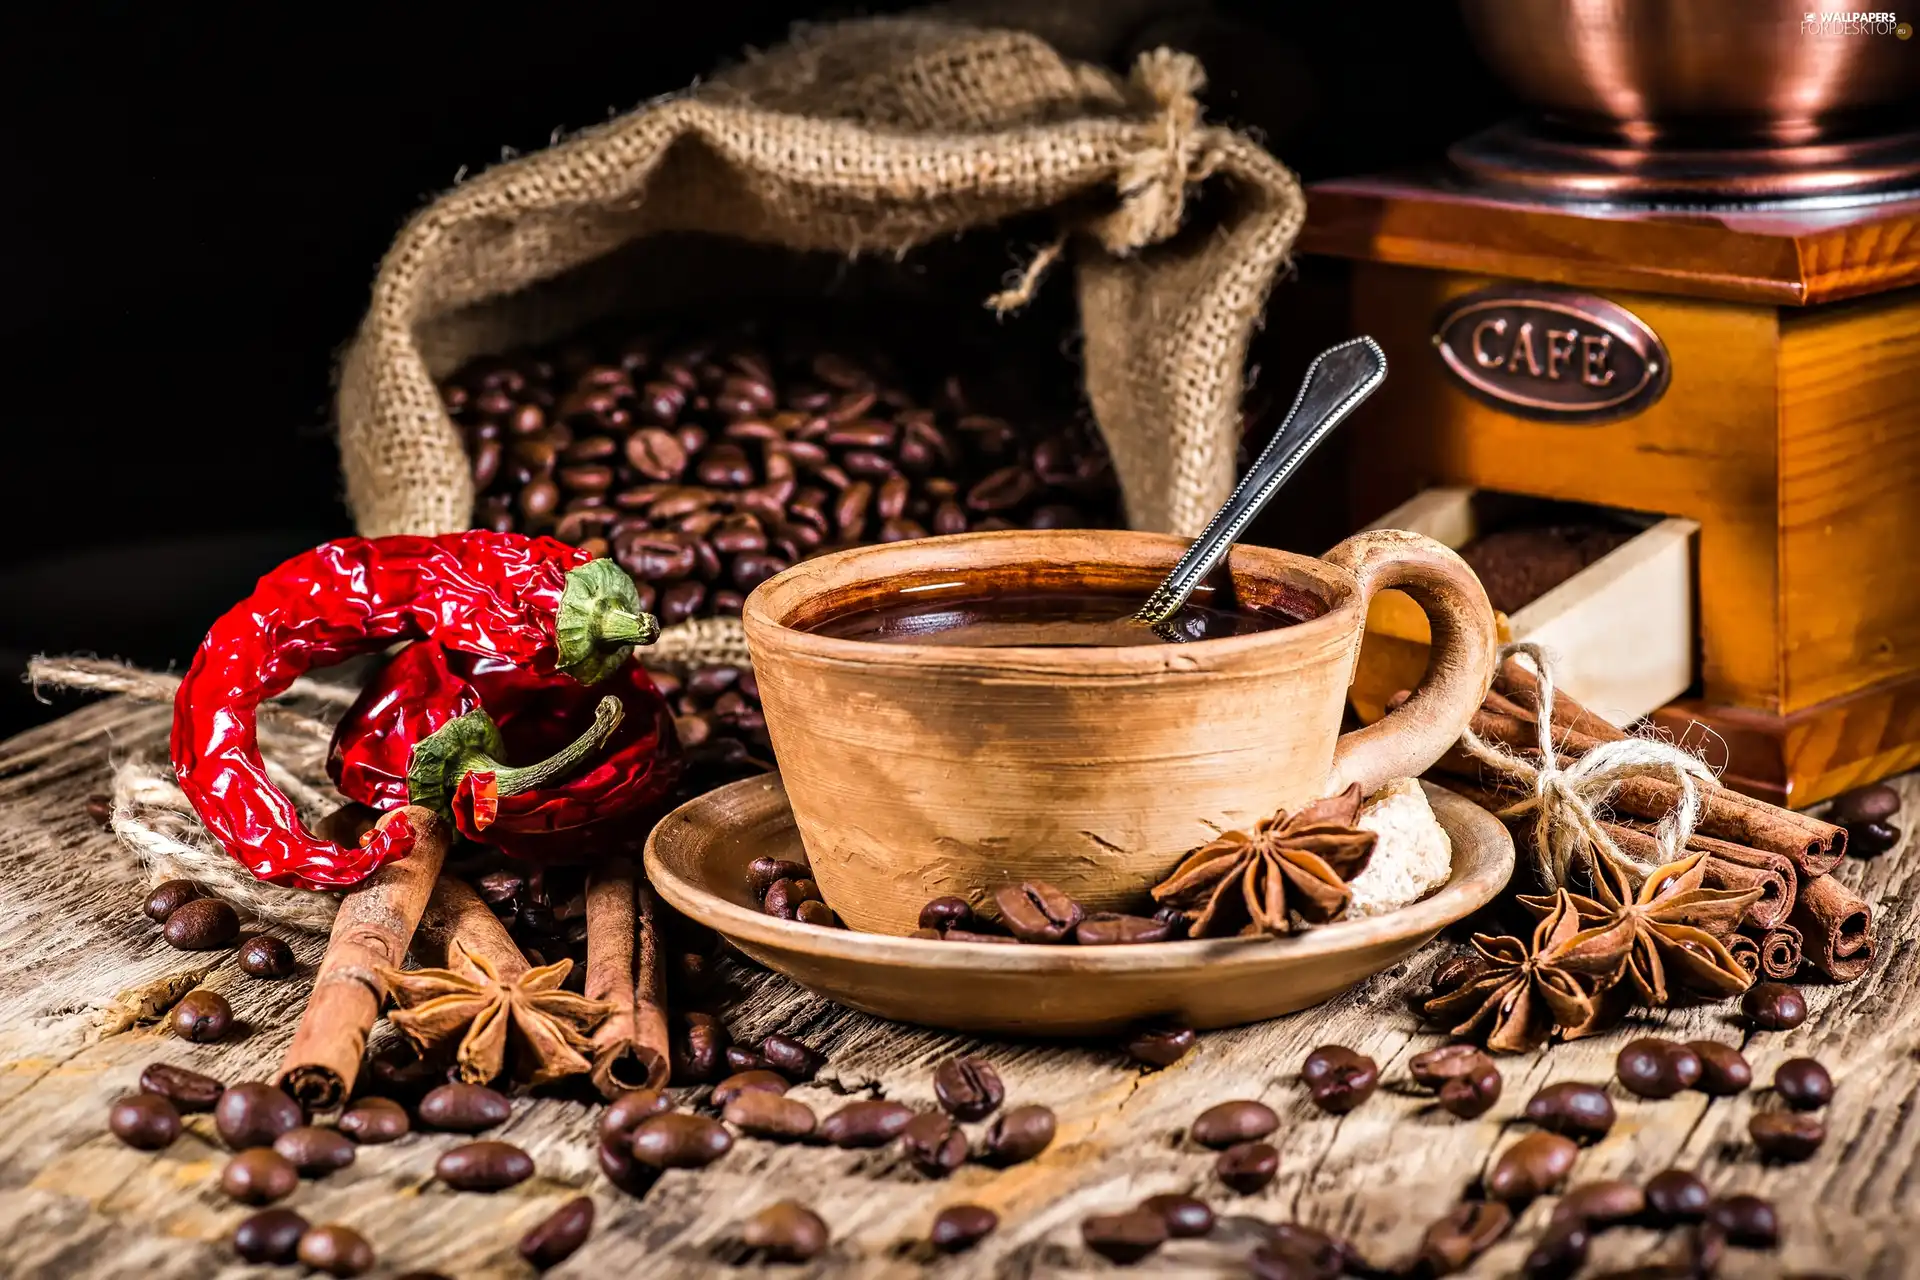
point(1152, 183)
point(1564, 795)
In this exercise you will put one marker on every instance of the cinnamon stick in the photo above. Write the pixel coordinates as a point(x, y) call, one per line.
point(1814, 847)
point(1837, 925)
point(1735, 866)
point(1521, 688)
point(374, 925)
point(456, 912)
point(630, 1047)
point(1746, 952)
point(1780, 952)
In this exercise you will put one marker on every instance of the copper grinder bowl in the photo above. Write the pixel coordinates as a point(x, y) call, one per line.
point(1723, 72)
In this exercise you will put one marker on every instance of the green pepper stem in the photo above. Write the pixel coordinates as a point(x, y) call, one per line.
point(511, 780)
point(615, 627)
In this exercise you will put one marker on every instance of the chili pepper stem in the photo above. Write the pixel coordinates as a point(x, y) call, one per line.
point(472, 744)
point(510, 780)
point(599, 621)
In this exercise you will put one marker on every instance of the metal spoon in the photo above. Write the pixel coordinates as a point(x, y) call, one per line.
point(1338, 380)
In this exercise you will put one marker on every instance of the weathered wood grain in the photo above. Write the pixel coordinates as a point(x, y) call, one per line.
point(74, 1202)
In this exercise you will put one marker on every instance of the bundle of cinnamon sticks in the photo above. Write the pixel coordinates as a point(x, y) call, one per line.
point(413, 905)
point(1803, 915)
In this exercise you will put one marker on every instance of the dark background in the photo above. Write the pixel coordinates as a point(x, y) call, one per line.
point(197, 197)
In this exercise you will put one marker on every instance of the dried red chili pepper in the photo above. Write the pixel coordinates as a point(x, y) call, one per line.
point(534, 601)
point(433, 726)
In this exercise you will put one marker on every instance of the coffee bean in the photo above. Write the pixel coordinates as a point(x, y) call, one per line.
point(1574, 1110)
point(1247, 1166)
point(959, 1227)
point(1803, 1084)
point(624, 1114)
point(1160, 1044)
point(1340, 1078)
point(761, 872)
point(791, 1058)
point(1675, 1197)
point(1723, 1070)
point(756, 1080)
point(259, 1175)
point(169, 896)
point(269, 1236)
point(203, 924)
point(934, 1144)
point(1601, 1204)
point(1559, 1253)
point(265, 956)
point(1655, 1068)
point(374, 1120)
point(315, 1152)
point(253, 1114)
point(1226, 1123)
point(463, 1108)
point(770, 1115)
point(336, 1250)
point(488, 1166)
point(186, 1090)
point(1536, 1164)
point(1875, 802)
point(1296, 1251)
point(623, 1171)
point(1035, 911)
point(1124, 1238)
point(1449, 1062)
point(868, 1123)
point(699, 1050)
point(786, 1232)
point(1774, 1006)
point(1468, 1230)
point(678, 1141)
point(202, 1016)
point(1473, 1094)
point(817, 914)
point(1747, 1220)
point(560, 1235)
point(967, 935)
point(1453, 973)
point(946, 913)
point(1018, 1134)
point(1186, 1217)
point(785, 896)
point(1786, 1136)
point(741, 1060)
point(969, 1088)
point(144, 1121)
point(1871, 839)
point(1110, 929)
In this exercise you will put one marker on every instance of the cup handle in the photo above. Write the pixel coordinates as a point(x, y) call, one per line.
point(1459, 671)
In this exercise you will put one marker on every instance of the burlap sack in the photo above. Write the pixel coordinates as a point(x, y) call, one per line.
point(861, 138)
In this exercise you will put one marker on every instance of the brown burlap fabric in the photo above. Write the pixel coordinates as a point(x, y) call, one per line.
point(861, 138)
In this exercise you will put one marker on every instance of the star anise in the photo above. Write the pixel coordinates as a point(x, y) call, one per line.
point(1522, 990)
point(468, 1007)
point(1672, 926)
point(1246, 884)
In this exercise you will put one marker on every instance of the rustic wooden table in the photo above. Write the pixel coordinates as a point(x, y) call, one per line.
point(76, 955)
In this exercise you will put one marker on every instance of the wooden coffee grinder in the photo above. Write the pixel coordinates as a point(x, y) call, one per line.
point(1689, 286)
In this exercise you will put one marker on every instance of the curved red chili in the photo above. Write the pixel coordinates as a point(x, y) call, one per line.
point(534, 601)
point(434, 725)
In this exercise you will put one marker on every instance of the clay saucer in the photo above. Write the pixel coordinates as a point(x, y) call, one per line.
point(697, 859)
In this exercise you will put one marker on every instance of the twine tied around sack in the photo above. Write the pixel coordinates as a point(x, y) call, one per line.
point(1152, 183)
point(1562, 800)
